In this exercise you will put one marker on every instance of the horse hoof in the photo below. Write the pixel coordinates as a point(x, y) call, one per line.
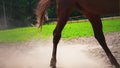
point(53, 63)
point(53, 66)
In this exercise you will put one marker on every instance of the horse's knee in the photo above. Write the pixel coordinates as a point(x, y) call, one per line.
point(99, 36)
point(56, 37)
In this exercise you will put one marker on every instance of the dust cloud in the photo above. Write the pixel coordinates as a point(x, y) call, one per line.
point(38, 55)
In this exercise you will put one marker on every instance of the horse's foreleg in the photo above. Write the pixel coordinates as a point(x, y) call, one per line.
point(63, 16)
point(97, 27)
point(56, 39)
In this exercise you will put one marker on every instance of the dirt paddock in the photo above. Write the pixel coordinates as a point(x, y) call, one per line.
point(82, 52)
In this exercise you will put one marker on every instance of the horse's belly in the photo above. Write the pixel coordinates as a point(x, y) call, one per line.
point(101, 6)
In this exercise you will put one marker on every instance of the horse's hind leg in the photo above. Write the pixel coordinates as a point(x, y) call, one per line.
point(63, 15)
point(97, 27)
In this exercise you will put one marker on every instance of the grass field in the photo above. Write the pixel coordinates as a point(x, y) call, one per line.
point(71, 30)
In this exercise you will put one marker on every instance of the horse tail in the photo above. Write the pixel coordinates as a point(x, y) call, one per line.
point(41, 11)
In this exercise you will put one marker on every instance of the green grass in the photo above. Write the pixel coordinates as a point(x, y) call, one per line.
point(18, 34)
point(71, 30)
point(85, 29)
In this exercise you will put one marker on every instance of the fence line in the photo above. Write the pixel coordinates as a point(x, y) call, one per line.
point(83, 19)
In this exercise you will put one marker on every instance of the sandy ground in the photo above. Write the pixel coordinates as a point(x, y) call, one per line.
point(77, 53)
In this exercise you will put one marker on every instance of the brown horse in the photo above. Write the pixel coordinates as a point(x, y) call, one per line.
point(92, 9)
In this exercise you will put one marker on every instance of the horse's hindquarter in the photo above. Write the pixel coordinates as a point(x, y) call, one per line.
point(101, 6)
point(64, 4)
